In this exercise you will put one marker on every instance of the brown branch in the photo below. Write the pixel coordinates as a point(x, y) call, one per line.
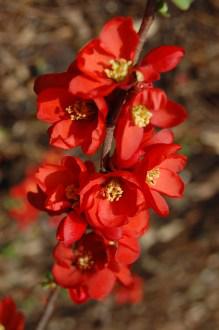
point(147, 20)
point(44, 320)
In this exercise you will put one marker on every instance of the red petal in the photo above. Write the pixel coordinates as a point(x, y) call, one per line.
point(169, 183)
point(128, 250)
point(114, 39)
point(163, 136)
point(71, 229)
point(52, 103)
point(172, 115)
point(66, 277)
point(138, 224)
point(86, 87)
point(159, 204)
point(175, 163)
point(63, 255)
point(128, 137)
point(164, 58)
point(101, 284)
point(157, 153)
point(93, 59)
point(52, 80)
point(79, 295)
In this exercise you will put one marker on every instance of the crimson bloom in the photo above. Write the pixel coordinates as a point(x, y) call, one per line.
point(147, 107)
point(10, 318)
point(107, 62)
point(60, 184)
point(86, 269)
point(109, 200)
point(158, 174)
point(75, 121)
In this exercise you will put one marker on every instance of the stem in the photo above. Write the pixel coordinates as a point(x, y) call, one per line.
point(44, 320)
point(147, 20)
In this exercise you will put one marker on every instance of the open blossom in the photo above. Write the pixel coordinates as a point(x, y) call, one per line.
point(60, 183)
point(109, 200)
point(10, 318)
point(107, 62)
point(87, 269)
point(69, 115)
point(149, 107)
point(158, 175)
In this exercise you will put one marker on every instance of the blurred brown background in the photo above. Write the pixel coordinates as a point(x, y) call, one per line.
point(180, 260)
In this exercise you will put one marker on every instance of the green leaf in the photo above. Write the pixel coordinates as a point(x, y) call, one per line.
point(163, 8)
point(183, 4)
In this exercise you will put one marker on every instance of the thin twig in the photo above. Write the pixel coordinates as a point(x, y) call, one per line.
point(147, 20)
point(44, 320)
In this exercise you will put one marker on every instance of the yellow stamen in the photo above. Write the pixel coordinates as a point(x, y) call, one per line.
point(113, 191)
point(79, 110)
point(2, 327)
point(85, 262)
point(141, 115)
point(119, 69)
point(152, 176)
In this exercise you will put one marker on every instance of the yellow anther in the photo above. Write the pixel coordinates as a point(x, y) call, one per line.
point(152, 176)
point(79, 110)
point(85, 262)
point(113, 191)
point(141, 115)
point(119, 69)
point(2, 327)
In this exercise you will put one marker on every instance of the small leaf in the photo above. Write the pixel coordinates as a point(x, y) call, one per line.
point(183, 4)
point(163, 9)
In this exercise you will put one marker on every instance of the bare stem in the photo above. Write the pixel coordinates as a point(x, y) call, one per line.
point(147, 20)
point(44, 320)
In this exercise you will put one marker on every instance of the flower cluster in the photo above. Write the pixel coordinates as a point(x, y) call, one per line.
point(105, 212)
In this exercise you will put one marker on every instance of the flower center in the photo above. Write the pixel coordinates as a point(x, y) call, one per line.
point(79, 110)
point(141, 115)
point(152, 176)
point(113, 191)
point(119, 69)
point(70, 192)
point(2, 327)
point(85, 262)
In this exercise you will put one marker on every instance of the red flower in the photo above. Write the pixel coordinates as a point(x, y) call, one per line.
point(85, 270)
point(149, 106)
point(158, 174)
point(23, 212)
point(127, 155)
point(107, 62)
point(10, 318)
point(69, 115)
point(109, 200)
point(132, 293)
point(61, 183)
